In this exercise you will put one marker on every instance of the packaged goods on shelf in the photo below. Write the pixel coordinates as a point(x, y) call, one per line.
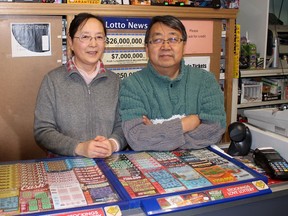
point(83, 1)
point(272, 89)
point(251, 91)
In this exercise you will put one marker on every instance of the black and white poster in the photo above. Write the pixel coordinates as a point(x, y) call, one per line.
point(30, 39)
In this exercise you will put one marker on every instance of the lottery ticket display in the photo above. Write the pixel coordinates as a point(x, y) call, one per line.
point(148, 178)
point(31, 187)
point(156, 181)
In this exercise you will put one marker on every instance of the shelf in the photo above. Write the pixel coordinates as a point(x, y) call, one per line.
point(263, 72)
point(263, 103)
point(12, 8)
point(256, 13)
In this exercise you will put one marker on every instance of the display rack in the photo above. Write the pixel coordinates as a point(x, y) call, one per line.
point(71, 185)
point(262, 73)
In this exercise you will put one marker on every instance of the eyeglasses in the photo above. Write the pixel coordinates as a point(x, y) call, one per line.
point(87, 38)
point(171, 41)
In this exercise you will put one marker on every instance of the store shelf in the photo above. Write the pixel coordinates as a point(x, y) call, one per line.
point(263, 103)
point(264, 72)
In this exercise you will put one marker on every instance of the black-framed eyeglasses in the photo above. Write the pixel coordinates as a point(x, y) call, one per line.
point(171, 41)
point(88, 38)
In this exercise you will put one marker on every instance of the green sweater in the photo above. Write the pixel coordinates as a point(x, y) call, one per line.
point(194, 91)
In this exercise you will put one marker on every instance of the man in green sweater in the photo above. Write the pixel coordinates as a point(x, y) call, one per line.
point(169, 105)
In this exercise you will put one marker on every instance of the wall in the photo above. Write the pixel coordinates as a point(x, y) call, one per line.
point(253, 18)
point(20, 79)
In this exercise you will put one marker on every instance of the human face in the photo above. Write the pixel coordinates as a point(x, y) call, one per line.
point(165, 57)
point(88, 53)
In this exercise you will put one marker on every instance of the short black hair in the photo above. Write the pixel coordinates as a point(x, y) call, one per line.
point(80, 20)
point(168, 20)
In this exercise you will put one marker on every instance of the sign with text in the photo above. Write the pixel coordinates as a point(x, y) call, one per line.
point(124, 40)
point(199, 36)
point(126, 23)
point(125, 71)
point(30, 39)
point(198, 61)
point(126, 57)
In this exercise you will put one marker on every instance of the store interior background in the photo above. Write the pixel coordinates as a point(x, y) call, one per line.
point(17, 130)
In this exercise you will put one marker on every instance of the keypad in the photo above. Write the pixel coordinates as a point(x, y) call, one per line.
point(279, 166)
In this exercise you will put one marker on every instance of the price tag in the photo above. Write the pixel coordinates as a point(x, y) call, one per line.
point(125, 40)
point(115, 57)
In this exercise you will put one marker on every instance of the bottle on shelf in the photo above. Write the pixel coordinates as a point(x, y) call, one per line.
point(275, 54)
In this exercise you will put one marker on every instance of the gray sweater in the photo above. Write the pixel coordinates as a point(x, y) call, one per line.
point(68, 111)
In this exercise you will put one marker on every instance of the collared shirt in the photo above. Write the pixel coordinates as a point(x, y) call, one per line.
point(71, 66)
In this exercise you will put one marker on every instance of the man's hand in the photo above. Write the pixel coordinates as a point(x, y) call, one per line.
point(146, 120)
point(190, 122)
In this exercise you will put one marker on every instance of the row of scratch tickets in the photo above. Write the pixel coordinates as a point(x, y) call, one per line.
point(9, 182)
point(37, 186)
